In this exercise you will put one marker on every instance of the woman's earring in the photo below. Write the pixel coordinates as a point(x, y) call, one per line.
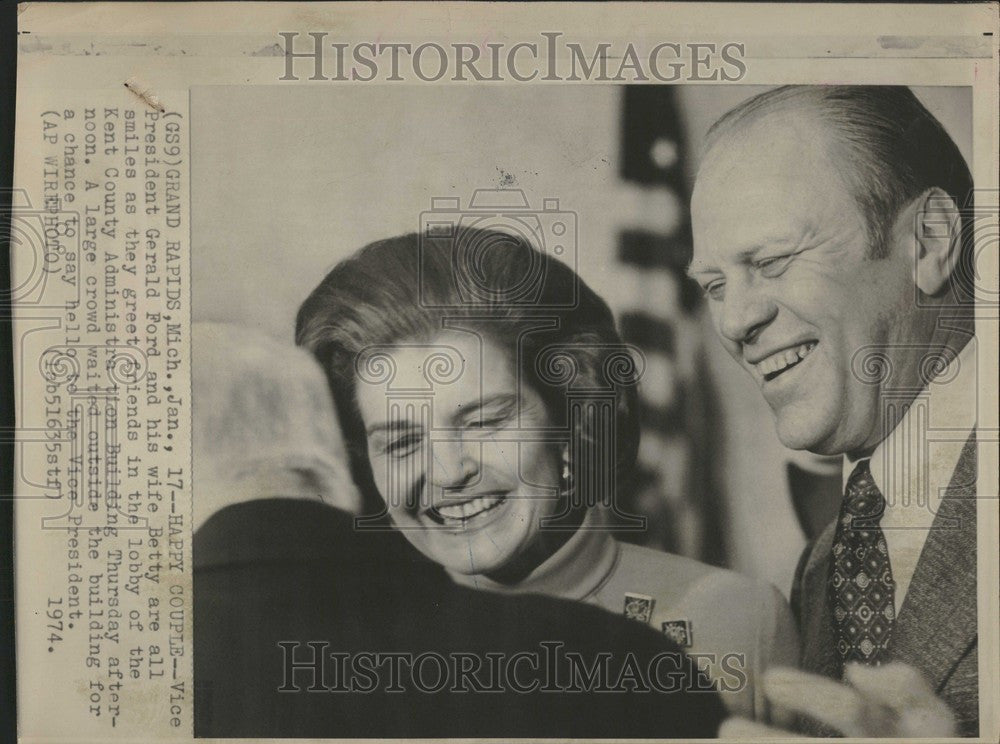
point(566, 480)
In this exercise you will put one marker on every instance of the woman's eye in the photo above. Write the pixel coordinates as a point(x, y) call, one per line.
point(487, 423)
point(404, 445)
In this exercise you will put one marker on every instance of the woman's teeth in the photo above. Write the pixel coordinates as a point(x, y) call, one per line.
point(468, 509)
point(782, 360)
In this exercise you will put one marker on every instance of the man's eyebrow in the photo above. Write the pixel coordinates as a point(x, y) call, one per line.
point(694, 269)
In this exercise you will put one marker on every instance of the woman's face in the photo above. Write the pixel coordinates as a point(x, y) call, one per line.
point(459, 455)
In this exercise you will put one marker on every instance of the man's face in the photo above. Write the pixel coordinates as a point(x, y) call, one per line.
point(781, 249)
point(463, 475)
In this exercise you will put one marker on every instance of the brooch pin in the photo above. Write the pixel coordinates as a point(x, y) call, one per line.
point(638, 607)
point(678, 631)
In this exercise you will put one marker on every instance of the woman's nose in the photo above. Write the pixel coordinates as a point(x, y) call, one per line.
point(453, 463)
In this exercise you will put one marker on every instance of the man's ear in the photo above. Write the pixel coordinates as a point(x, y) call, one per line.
point(938, 240)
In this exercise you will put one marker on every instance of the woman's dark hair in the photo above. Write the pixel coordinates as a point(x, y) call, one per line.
point(412, 287)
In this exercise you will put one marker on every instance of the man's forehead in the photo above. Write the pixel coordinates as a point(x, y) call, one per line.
point(742, 210)
point(769, 183)
point(769, 145)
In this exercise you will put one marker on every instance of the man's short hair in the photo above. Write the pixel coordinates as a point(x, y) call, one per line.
point(893, 151)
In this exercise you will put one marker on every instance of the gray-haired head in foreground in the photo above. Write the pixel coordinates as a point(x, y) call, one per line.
point(887, 147)
point(264, 423)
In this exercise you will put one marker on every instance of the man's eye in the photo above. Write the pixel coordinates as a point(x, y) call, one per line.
point(404, 445)
point(772, 266)
point(715, 289)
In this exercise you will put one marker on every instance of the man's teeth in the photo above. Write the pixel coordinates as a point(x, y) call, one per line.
point(468, 509)
point(783, 359)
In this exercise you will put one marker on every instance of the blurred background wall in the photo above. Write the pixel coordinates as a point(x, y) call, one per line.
point(288, 180)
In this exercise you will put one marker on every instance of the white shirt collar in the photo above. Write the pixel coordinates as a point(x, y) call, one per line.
point(913, 465)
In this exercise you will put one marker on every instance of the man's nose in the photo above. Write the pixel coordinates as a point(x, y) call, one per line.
point(454, 463)
point(746, 311)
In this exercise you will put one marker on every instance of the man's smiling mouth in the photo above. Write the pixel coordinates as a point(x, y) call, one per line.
point(458, 514)
point(774, 365)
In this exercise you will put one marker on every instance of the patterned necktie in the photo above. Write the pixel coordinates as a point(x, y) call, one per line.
point(862, 590)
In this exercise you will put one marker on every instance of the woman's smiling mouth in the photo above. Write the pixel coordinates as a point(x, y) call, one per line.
point(461, 513)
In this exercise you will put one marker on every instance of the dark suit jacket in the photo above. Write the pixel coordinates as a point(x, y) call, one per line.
point(936, 629)
point(296, 571)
